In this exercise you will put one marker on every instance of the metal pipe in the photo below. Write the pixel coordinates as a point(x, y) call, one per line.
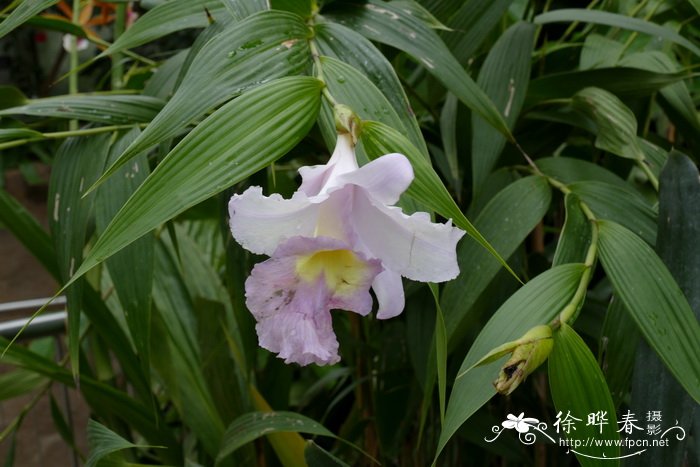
point(44, 325)
point(35, 304)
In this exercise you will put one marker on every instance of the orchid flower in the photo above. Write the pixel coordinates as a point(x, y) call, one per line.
point(338, 236)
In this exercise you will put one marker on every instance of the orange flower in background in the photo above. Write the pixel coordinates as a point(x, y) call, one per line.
point(92, 13)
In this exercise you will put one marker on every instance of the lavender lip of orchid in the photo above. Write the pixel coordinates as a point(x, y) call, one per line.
point(338, 236)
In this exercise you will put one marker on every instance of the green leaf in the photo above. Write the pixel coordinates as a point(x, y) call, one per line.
point(11, 96)
point(655, 302)
point(679, 235)
point(618, 345)
point(448, 134)
point(106, 108)
point(615, 20)
point(251, 426)
point(675, 98)
point(316, 456)
point(600, 52)
point(575, 235)
point(390, 24)
point(617, 125)
point(506, 221)
point(236, 141)
point(471, 24)
point(348, 46)
point(103, 442)
point(18, 133)
point(22, 13)
point(299, 7)
point(163, 82)
point(77, 164)
point(427, 188)
point(19, 382)
point(57, 23)
point(167, 18)
point(624, 206)
point(263, 47)
point(241, 9)
point(537, 302)
point(504, 77)
point(569, 170)
point(350, 87)
point(623, 81)
point(176, 355)
point(578, 387)
point(131, 270)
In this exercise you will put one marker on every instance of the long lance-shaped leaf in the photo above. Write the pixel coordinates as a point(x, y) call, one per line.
point(506, 221)
point(623, 81)
point(617, 125)
point(655, 302)
point(111, 109)
point(578, 387)
point(471, 25)
point(167, 18)
point(427, 188)
point(251, 426)
point(77, 164)
point(353, 49)
point(131, 270)
point(349, 86)
point(537, 302)
point(104, 442)
point(263, 47)
point(606, 18)
point(24, 11)
point(234, 142)
point(395, 26)
point(504, 77)
point(677, 245)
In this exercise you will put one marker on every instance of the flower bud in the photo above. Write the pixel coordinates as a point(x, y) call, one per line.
point(529, 352)
point(345, 120)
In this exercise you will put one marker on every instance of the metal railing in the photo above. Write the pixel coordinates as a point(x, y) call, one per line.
point(46, 324)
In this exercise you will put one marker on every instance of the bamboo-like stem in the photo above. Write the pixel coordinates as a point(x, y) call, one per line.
point(117, 65)
point(68, 134)
point(74, 60)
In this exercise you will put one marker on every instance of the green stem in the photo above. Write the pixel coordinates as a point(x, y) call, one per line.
point(315, 54)
point(650, 175)
point(572, 27)
point(117, 65)
point(74, 60)
point(67, 134)
point(571, 310)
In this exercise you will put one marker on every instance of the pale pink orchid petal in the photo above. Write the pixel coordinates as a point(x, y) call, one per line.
point(291, 295)
point(412, 246)
point(388, 288)
point(319, 178)
point(259, 223)
point(384, 178)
